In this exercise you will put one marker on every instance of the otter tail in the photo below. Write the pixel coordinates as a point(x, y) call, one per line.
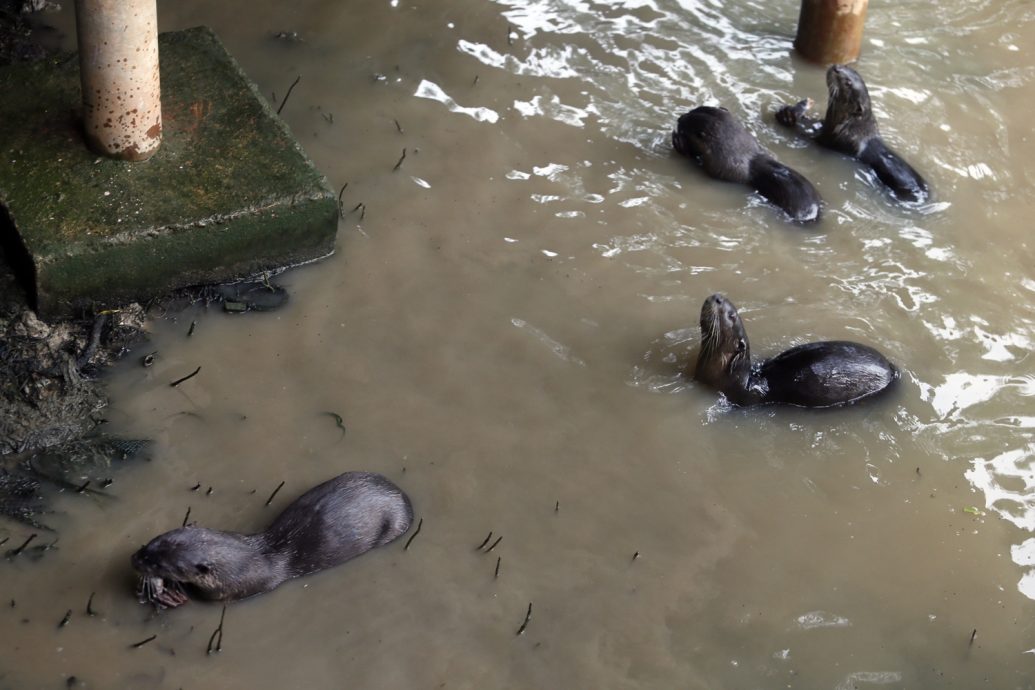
point(904, 182)
point(786, 188)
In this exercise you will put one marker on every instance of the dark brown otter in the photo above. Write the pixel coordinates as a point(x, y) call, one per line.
point(729, 152)
point(850, 127)
point(822, 374)
point(326, 526)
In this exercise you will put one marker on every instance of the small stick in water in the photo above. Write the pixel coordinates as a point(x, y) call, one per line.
point(64, 621)
point(398, 126)
point(363, 212)
point(4, 540)
point(636, 555)
point(208, 492)
point(22, 547)
point(972, 636)
point(138, 645)
point(341, 210)
point(497, 574)
point(186, 517)
point(420, 523)
point(401, 159)
point(556, 506)
point(475, 80)
point(288, 94)
point(338, 421)
point(185, 378)
point(498, 540)
point(218, 631)
point(356, 207)
point(107, 482)
point(510, 35)
point(482, 545)
point(82, 487)
point(329, 117)
point(89, 605)
point(196, 487)
point(528, 617)
point(190, 331)
point(270, 499)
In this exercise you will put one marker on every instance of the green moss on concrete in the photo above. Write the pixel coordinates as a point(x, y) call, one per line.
point(230, 193)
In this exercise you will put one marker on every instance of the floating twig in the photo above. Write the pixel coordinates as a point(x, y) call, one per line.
point(420, 523)
point(329, 117)
point(362, 212)
point(401, 159)
point(82, 487)
point(636, 555)
point(497, 573)
point(12, 603)
point(89, 605)
point(64, 621)
point(972, 636)
point(107, 482)
point(528, 617)
point(186, 517)
point(338, 421)
point(196, 487)
point(188, 376)
point(475, 80)
point(356, 207)
point(193, 325)
point(148, 359)
point(4, 541)
point(341, 209)
point(217, 632)
point(21, 548)
point(498, 540)
point(279, 487)
point(482, 545)
point(208, 491)
point(288, 94)
point(398, 126)
point(138, 645)
point(556, 506)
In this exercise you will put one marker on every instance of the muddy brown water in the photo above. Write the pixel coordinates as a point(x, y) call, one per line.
point(502, 332)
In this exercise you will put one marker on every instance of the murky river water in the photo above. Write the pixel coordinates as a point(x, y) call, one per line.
point(502, 331)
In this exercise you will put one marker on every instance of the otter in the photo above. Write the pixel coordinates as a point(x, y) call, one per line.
point(729, 152)
point(821, 374)
point(326, 526)
point(851, 128)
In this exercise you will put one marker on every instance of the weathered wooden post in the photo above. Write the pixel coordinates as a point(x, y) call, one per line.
point(830, 31)
point(118, 63)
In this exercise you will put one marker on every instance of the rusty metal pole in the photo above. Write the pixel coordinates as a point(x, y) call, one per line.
point(830, 31)
point(118, 62)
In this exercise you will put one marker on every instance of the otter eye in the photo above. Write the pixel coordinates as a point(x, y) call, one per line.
point(203, 568)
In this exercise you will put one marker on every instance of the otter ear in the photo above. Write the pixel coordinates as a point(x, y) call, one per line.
point(203, 568)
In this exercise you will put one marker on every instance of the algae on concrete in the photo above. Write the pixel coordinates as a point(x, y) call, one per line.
point(229, 194)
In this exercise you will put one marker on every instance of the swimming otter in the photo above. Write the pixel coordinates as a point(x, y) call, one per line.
point(326, 526)
point(822, 374)
point(850, 127)
point(729, 152)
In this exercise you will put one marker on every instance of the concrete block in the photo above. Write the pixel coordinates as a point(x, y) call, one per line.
point(229, 194)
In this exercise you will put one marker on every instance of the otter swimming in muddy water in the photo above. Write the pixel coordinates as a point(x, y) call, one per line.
point(850, 127)
point(326, 526)
point(821, 374)
point(729, 152)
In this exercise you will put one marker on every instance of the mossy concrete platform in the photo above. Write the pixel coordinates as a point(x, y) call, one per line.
point(229, 194)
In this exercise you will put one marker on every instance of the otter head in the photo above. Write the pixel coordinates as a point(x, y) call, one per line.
point(725, 358)
point(201, 560)
point(849, 102)
point(696, 130)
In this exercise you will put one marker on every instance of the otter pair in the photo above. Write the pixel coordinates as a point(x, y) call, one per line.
point(729, 152)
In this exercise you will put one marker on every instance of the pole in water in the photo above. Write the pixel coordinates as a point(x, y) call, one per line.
point(830, 31)
point(118, 64)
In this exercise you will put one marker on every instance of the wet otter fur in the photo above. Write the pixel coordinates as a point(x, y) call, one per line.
point(729, 152)
point(850, 127)
point(326, 526)
point(821, 374)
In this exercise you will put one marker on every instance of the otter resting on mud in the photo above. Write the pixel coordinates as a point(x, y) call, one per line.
point(850, 127)
point(729, 152)
point(821, 374)
point(326, 526)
